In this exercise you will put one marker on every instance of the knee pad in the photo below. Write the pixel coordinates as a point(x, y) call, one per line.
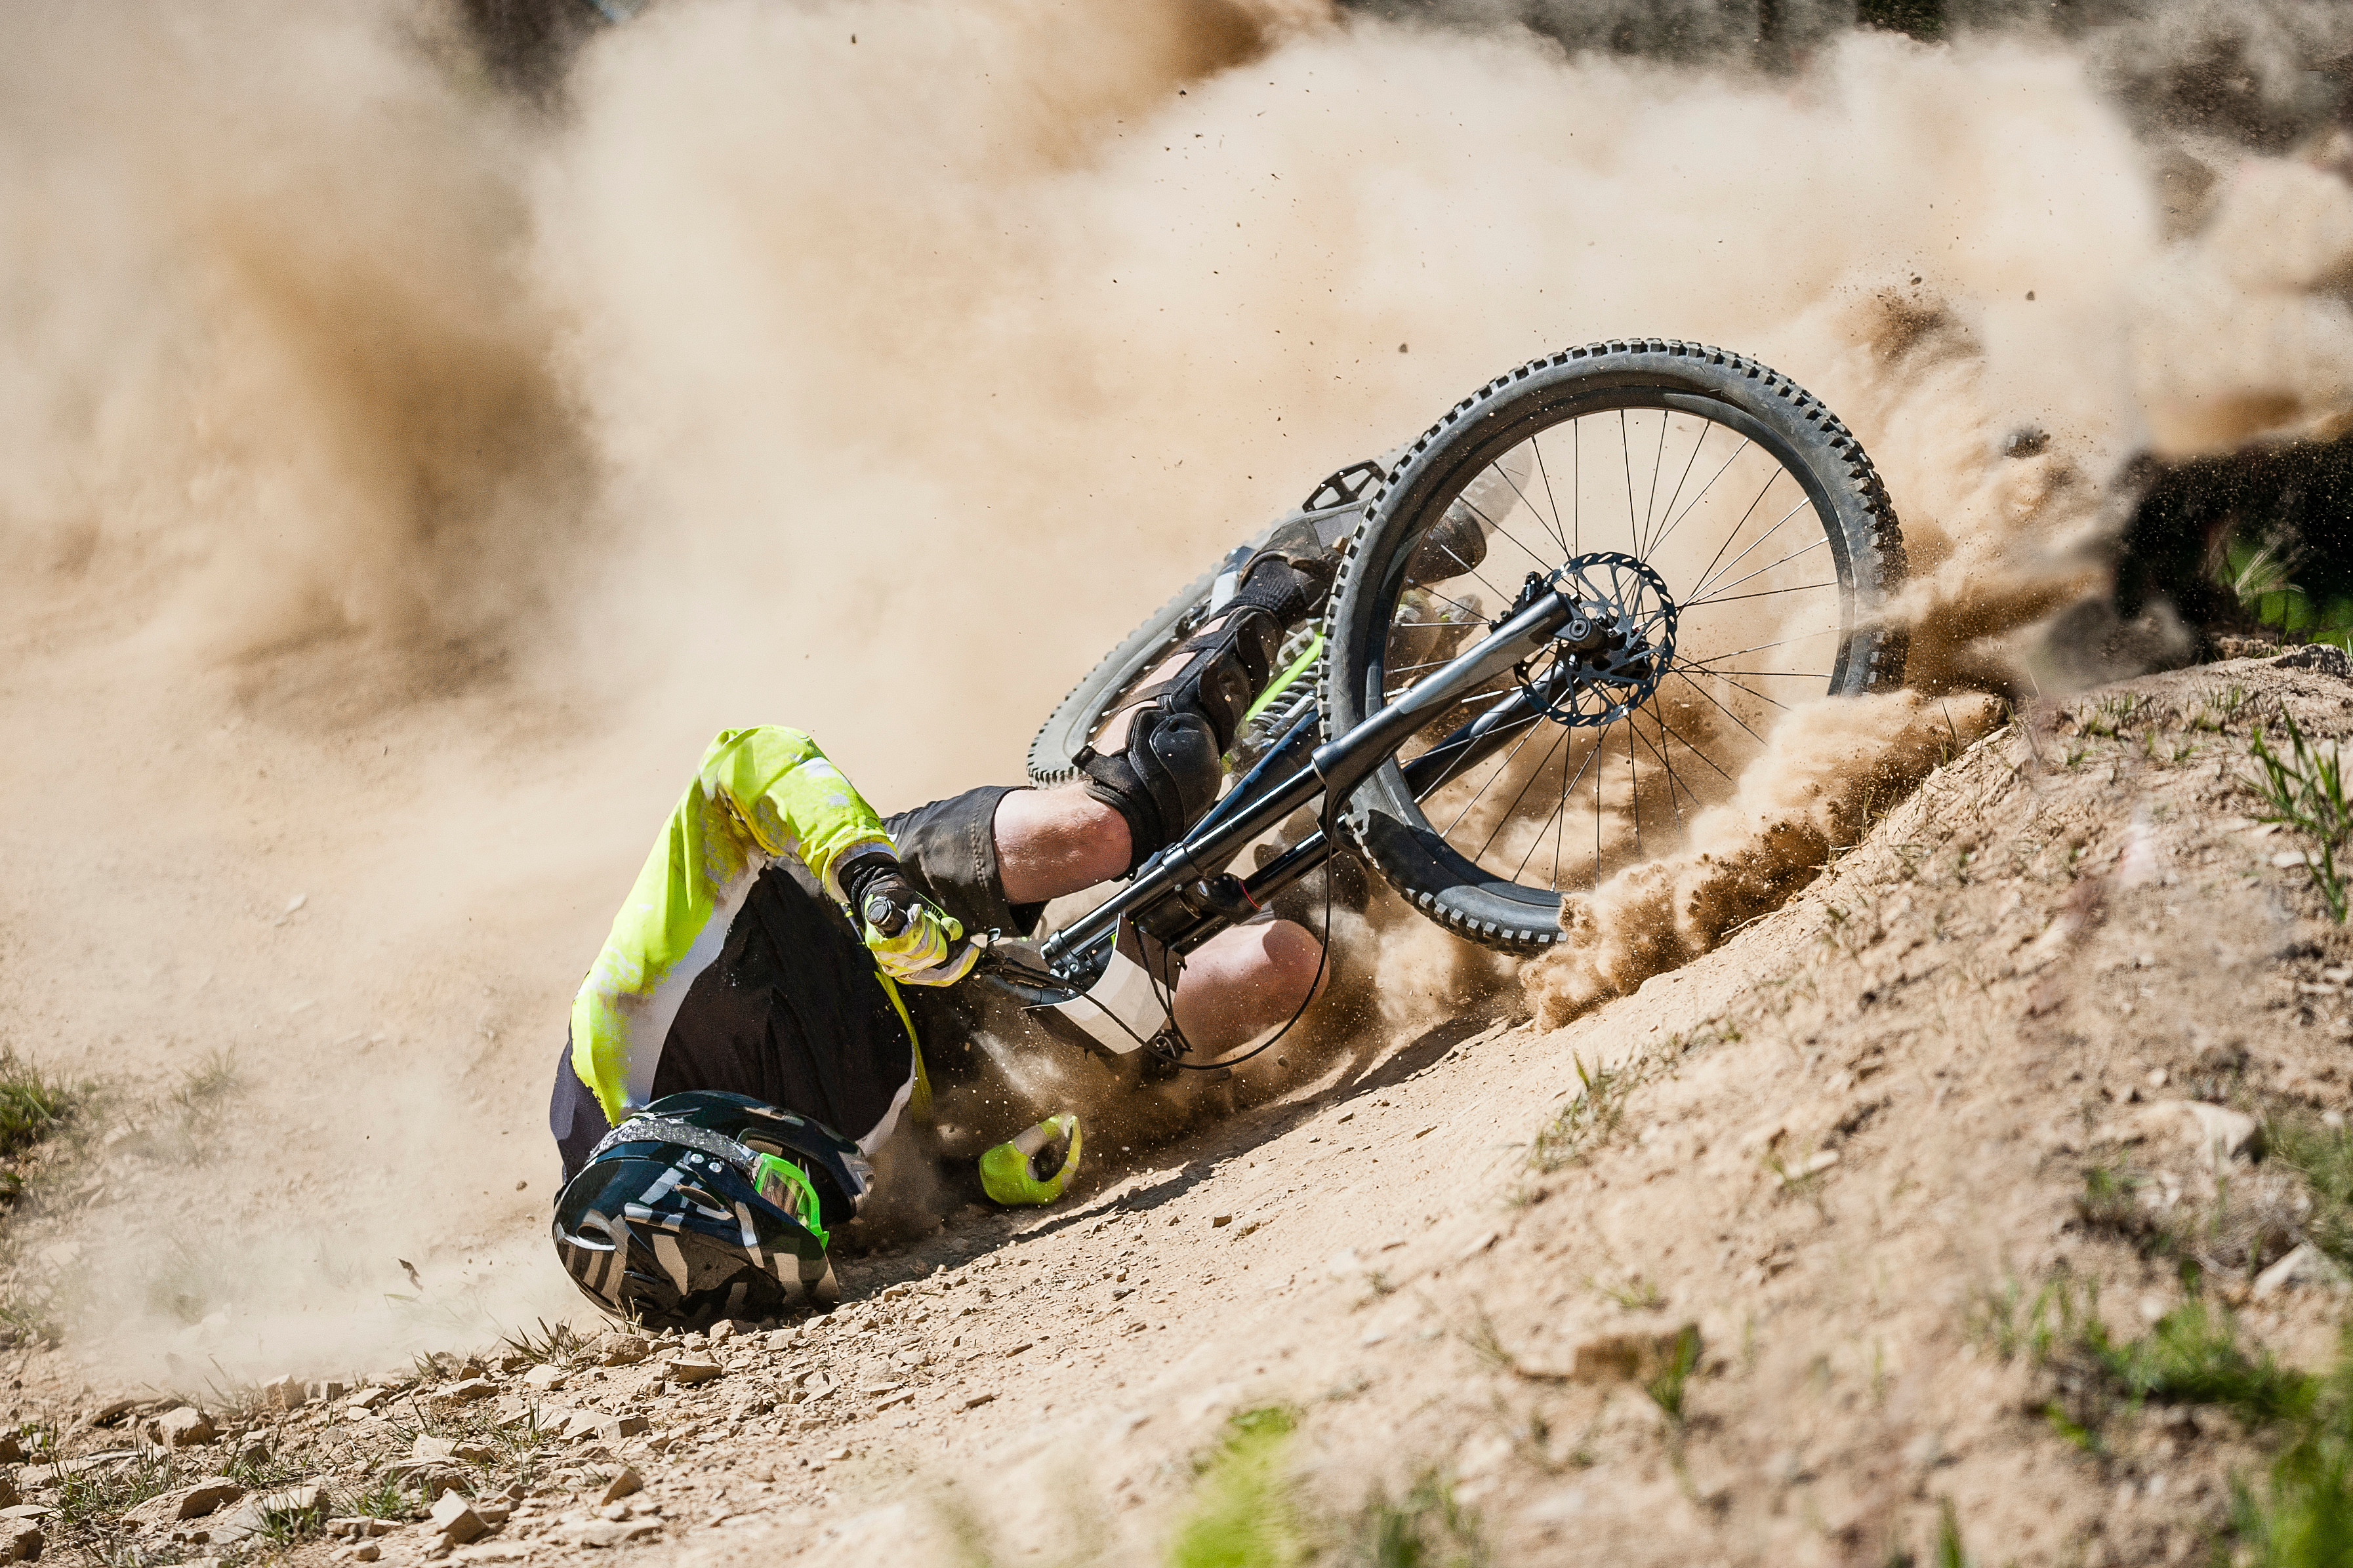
point(1231, 665)
point(1162, 782)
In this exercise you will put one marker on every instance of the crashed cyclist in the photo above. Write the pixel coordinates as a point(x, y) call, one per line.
point(757, 1020)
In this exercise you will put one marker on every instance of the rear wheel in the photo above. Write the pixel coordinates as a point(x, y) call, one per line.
point(1734, 549)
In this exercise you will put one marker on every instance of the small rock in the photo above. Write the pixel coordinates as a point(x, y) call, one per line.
point(448, 1449)
point(253, 1449)
point(255, 1514)
point(365, 1552)
point(725, 1328)
point(455, 1518)
point(2304, 1265)
point(12, 1450)
point(21, 1541)
point(626, 1350)
point(284, 1393)
point(546, 1376)
point(690, 1370)
point(186, 1427)
point(465, 1391)
point(2215, 1131)
point(1216, 1220)
point(367, 1399)
point(111, 1412)
point(613, 1428)
point(513, 1362)
point(194, 1502)
point(621, 1486)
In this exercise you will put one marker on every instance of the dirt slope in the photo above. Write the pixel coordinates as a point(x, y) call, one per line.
point(1843, 1149)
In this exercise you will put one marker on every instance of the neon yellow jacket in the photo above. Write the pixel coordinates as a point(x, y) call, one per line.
point(760, 794)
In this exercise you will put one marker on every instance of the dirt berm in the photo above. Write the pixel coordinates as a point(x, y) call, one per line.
point(1880, 1222)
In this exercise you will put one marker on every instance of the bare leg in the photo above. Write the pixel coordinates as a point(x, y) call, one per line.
point(1240, 984)
point(1245, 981)
point(1050, 842)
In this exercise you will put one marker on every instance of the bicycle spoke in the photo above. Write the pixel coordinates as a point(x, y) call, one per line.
point(1719, 473)
point(1389, 697)
point(1735, 598)
point(1634, 791)
point(1559, 824)
point(1536, 842)
point(1695, 751)
point(1536, 443)
point(1501, 768)
point(1761, 674)
point(1701, 587)
point(1432, 664)
point(1674, 782)
point(1474, 572)
point(1650, 506)
point(1534, 774)
point(1747, 512)
point(1736, 583)
point(1758, 695)
point(1498, 527)
point(1684, 478)
point(1597, 804)
point(1458, 604)
point(1531, 510)
point(1472, 739)
point(1728, 713)
point(1780, 642)
point(1633, 535)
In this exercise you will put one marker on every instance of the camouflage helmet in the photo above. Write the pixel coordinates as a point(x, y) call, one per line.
point(706, 1205)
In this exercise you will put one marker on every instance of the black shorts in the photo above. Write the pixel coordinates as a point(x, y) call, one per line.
point(949, 848)
point(792, 1013)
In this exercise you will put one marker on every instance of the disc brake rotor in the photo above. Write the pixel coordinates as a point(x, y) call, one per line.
point(1611, 655)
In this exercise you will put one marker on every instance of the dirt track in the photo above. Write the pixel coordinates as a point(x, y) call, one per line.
point(1836, 1147)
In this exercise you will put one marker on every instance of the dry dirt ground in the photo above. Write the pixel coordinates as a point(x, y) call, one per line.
point(1749, 1266)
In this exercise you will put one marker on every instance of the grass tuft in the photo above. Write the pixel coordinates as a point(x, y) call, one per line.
point(1588, 1120)
point(1243, 1514)
point(1666, 1386)
point(2323, 1156)
point(2304, 790)
point(559, 1344)
point(31, 1106)
point(1427, 1528)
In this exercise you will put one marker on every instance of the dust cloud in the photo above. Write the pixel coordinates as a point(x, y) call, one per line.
point(399, 484)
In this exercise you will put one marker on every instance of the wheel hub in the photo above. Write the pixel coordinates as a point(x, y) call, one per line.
point(1607, 658)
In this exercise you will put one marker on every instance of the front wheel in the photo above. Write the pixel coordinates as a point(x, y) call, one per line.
point(1735, 550)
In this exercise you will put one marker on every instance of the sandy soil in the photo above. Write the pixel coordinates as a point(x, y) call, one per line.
point(1835, 1144)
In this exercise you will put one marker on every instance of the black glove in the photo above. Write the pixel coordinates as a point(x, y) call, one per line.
point(879, 892)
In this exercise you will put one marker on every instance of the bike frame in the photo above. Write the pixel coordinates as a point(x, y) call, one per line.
point(1184, 895)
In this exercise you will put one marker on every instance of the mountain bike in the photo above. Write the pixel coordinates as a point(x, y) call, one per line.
point(1565, 616)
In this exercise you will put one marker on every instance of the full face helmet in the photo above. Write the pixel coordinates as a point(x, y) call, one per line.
point(706, 1205)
